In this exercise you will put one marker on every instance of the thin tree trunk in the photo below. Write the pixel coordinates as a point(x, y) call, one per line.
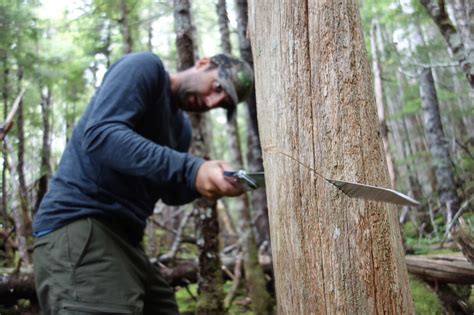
point(379, 99)
point(452, 37)
point(331, 254)
point(5, 93)
point(22, 190)
point(258, 198)
point(45, 166)
point(211, 282)
point(261, 302)
point(438, 145)
point(125, 28)
point(20, 232)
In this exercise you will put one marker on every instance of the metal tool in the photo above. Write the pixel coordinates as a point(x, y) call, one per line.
point(252, 181)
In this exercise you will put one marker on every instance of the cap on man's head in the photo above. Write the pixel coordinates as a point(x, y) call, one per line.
point(236, 77)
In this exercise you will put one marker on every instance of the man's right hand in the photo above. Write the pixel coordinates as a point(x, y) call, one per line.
point(211, 183)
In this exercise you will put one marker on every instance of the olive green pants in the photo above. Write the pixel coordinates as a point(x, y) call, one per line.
point(86, 267)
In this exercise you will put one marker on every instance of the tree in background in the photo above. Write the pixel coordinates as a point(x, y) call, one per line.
point(210, 283)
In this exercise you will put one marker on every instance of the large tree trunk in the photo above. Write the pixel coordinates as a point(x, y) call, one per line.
point(261, 302)
point(438, 145)
point(331, 254)
point(258, 198)
point(211, 282)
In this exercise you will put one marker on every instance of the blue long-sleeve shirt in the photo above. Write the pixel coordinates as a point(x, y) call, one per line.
point(126, 152)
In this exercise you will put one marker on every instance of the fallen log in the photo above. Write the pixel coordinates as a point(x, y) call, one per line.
point(436, 268)
point(442, 268)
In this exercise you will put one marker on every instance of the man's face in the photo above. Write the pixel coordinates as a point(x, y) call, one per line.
point(201, 92)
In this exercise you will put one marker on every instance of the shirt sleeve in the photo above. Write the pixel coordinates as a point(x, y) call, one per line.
point(110, 138)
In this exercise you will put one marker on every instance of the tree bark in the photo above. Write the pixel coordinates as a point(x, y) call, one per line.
point(258, 198)
point(438, 145)
point(453, 38)
point(331, 254)
point(210, 283)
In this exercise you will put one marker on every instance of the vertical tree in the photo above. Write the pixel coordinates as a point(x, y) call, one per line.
point(379, 99)
point(125, 27)
point(331, 254)
point(261, 302)
point(45, 164)
point(210, 280)
point(460, 45)
point(258, 198)
point(438, 145)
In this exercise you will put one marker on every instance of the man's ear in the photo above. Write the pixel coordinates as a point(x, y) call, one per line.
point(202, 63)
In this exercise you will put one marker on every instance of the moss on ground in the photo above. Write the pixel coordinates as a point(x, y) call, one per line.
point(425, 300)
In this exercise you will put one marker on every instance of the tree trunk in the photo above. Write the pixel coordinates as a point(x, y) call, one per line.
point(125, 28)
point(438, 145)
point(211, 282)
point(5, 93)
point(379, 99)
point(45, 167)
point(223, 23)
point(23, 192)
point(331, 254)
point(453, 38)
point(258, 198)
point(261, 302)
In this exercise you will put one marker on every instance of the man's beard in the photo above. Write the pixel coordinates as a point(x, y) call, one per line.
point(184, 98)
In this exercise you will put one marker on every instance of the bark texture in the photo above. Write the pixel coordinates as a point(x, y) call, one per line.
point(438, 145)
point(210, 280)
point(331, 254)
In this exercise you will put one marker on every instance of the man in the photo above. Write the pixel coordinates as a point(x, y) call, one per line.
point(127, 152)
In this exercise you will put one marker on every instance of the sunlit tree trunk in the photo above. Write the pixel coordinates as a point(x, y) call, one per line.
point(210, 280)
point(438, 145)
point(258, 198)
point(261, 302)
point(331, 254)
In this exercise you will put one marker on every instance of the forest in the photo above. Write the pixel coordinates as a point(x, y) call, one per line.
point(374, 92)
